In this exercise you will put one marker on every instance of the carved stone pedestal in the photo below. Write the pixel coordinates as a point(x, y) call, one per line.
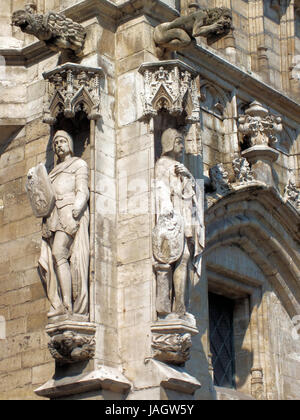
point(71, 341)
point(260, 129)
point(261, 159)
point(172, 339)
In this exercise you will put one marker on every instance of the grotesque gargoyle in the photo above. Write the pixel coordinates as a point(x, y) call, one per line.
point(175, 35)
point(55, 30)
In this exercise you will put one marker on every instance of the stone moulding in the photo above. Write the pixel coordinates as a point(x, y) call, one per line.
point(174, 378)
point(71, 341)
point(170, 85)
point(70, 88)
point(104, 378)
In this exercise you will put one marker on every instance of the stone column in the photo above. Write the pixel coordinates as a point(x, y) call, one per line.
point(259, 128)
point(257, 384)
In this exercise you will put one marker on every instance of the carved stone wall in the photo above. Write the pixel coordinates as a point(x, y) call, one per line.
point(117, 97)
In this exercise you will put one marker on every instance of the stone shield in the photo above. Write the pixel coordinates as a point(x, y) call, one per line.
point(168, 239)
point(40, 192)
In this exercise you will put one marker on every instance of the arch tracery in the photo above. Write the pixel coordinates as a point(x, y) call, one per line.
point(257, 220)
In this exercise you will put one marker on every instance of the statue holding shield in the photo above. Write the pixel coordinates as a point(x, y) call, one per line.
point(178, 237)
point(61, 198)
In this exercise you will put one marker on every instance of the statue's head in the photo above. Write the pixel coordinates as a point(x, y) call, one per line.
point(222, 15)
point(193, 7)
point(21, 18)
point(62, 140)
point(172, 143)
point(27, 20)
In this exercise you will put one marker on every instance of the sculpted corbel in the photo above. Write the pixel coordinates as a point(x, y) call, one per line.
point(54, 29)
point(179, 33)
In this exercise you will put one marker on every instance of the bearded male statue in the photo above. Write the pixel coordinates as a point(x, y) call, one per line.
point(64, 260)
point(178, 237)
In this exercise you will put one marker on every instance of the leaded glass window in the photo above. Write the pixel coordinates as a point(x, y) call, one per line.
point(221, 340)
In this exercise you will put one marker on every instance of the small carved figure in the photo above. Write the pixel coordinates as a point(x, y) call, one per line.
point(242, 170)
point(179, 33)
point(57, 31)
point(64, 259)
point(292, 194)
point(178, 237)
point(219, 179)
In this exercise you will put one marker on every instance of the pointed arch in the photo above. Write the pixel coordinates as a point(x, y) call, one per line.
point(256, 219)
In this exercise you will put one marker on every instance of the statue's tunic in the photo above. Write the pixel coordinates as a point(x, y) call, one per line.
point(176, 193)
point(70, 184)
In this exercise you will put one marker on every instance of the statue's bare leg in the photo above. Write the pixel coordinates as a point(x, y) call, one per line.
point(172, 39)
point(180, 282)
point(60, 251)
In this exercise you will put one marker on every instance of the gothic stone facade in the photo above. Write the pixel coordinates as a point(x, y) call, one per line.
point(133, 324)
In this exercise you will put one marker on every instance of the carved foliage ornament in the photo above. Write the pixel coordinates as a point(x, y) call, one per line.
point(292, 194)
point(259, 125)
point(71, 88)
point(170, 85)
point(242, 170)
point(54, 29)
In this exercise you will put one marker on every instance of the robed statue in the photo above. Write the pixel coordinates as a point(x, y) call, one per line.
point(178, 237)
point(61, 198)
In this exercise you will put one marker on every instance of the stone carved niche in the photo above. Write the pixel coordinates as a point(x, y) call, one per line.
point(61, 199)
point(259, 129)
point(171, 97)
point(70, 88)
point(178, 241)
point(172, 86)
point(54, 29)
point(73, 92)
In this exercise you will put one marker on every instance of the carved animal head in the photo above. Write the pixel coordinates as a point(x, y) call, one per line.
point(22, 19)
point(26, 21)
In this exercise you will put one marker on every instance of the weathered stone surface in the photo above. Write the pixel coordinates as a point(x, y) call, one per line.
point(230, 95)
